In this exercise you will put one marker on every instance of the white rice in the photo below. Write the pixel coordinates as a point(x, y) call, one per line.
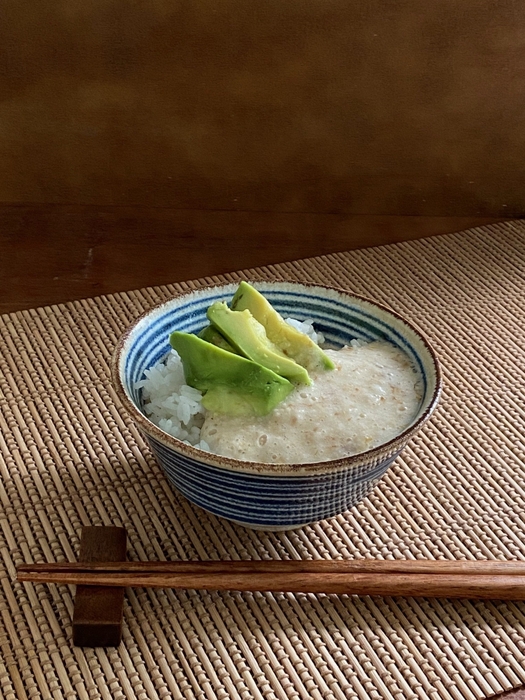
point(170, 403)
point(306, 327)
point(176, 407)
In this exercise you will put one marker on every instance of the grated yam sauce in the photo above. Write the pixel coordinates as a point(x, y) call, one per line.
point(371, 396)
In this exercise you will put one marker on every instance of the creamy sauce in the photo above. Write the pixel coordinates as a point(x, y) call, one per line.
point(371, 396)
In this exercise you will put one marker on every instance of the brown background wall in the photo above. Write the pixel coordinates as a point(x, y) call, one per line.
point(152, 141)
point(342, 106)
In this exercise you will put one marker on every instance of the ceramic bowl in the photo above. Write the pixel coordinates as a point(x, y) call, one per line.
point(271, 496)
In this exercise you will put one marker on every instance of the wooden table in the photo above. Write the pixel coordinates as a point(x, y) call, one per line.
point(55, 253)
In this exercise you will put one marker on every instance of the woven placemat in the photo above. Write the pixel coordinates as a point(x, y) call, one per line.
point(70, 457)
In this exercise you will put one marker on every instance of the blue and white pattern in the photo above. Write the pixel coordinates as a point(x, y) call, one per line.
point(271, 496)
point(272, 503)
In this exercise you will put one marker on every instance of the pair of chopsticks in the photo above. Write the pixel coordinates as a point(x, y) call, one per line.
point(495, 580)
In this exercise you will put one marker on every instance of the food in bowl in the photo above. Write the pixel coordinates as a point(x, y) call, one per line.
point(259, 495)
point(259, 404)
point(371, 396)
point(249, 359)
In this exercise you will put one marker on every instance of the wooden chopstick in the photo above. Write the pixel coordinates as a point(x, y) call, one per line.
point(253, 566)
point(452, 579)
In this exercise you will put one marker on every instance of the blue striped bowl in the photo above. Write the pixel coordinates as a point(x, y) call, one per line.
point(271, 496)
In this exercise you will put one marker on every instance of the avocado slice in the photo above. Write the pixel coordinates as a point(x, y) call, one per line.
point(249, 337)
point(289, 340)
point(231, 384)
point(212, 335)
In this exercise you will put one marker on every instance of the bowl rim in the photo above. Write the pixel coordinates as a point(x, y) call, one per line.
point(372, 455)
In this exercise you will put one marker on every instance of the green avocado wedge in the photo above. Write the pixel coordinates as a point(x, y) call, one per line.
point(231, 384)
point(249, 338)
point(290, 341)
point(212, 335)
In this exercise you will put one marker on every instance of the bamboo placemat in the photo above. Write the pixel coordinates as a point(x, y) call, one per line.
point(69, 457)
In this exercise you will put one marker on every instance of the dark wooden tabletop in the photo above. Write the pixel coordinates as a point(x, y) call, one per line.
point(55, 253)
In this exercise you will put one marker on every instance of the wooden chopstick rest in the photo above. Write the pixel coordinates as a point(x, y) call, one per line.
point(97, 615)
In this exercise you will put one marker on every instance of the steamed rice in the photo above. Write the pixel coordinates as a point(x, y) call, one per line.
point(372, 395)
point(170, 403)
